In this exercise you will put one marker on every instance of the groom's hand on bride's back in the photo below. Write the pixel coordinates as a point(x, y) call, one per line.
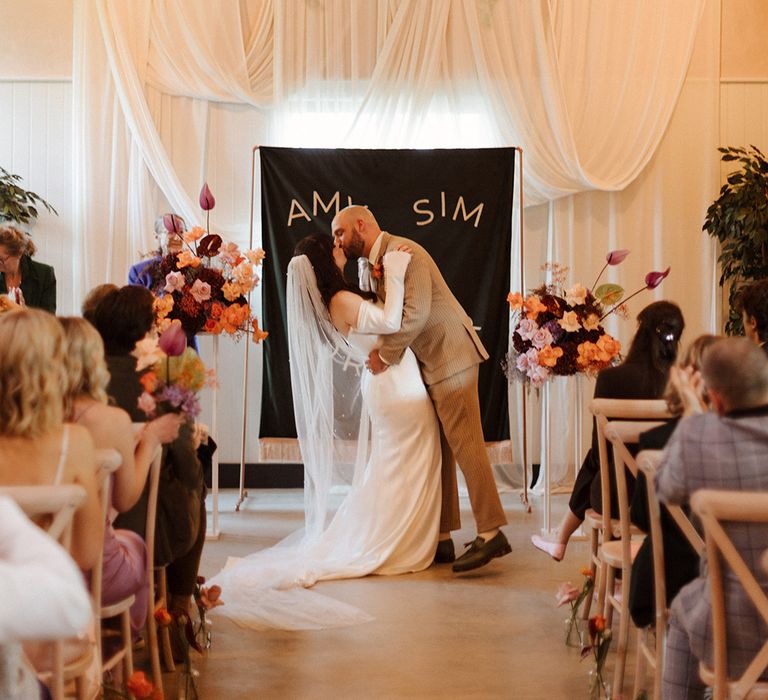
point(375, 364)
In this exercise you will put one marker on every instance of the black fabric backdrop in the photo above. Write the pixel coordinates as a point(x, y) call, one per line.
point(455, 203)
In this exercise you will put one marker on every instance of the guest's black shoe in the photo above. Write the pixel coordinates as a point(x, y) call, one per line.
point(481, 552)
point(445, 553)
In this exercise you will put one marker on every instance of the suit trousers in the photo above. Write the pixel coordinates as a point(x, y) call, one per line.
point(461, 439)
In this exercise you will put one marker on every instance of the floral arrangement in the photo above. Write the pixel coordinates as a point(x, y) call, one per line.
point(568, 593)
point(190, 634)
point(559, 331)
point(599, 643)
point(173, 373)
point(137, 685)
point(205, 285)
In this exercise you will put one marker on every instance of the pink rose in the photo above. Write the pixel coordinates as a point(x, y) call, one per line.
point(201, 291)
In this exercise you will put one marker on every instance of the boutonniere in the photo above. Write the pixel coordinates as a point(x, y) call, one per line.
point(378, 271)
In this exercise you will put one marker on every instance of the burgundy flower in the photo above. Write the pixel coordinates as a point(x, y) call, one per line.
point(654, 279)
point(207, 202)
point(616, 256)
point(173, 340)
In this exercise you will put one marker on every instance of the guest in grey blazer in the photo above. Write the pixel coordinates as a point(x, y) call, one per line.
point(442, 337)
point(726, 448)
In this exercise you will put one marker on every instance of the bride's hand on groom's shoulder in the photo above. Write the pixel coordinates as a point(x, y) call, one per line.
point(402, 247)
point(396, 261)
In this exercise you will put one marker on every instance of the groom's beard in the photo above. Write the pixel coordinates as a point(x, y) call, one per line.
point(356, 246)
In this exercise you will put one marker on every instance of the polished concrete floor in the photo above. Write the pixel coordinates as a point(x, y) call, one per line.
point(492, 633)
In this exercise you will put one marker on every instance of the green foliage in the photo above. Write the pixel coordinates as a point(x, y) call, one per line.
point(16, 203)
point(738, 218)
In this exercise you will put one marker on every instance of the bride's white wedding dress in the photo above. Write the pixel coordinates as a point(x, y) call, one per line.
point(388, 522)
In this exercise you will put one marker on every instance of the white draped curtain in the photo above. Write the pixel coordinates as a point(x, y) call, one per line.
point(612, 103)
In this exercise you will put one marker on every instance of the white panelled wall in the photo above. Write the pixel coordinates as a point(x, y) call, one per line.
point(36, 143)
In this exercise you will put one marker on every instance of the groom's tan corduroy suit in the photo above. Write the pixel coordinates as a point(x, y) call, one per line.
point(440, 333)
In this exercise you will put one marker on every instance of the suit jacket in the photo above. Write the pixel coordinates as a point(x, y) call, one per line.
point(721, 452)
point(38, 284)
point(434, 325)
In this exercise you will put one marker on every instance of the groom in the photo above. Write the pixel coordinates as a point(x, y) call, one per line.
point(441, 336)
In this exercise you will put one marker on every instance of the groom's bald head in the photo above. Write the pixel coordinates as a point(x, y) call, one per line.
point(355, 228)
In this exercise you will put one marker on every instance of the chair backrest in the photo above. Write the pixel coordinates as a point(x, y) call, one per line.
point(714, 508)
point(620, 434)
point(154, 485)
point(108, 461)
point(59, 503)
point(627, 409)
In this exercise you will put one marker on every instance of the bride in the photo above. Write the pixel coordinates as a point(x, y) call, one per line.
point(388, 522)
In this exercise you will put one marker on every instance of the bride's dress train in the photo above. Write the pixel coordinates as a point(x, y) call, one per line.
point(387, 524)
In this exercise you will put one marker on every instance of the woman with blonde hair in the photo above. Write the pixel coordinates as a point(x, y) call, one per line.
point(86, 379)
point(36, 446)
point(25, 281)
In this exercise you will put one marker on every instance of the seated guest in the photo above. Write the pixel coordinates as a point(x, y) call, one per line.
point(753, 303)
point(124, 565)
point(36, 446)
point(146, 272)
point(702, 454)
point(122, 318)
point(44, 597)
point(681, 562)
point(93, 298)
point(642, 375)
point(25, 281)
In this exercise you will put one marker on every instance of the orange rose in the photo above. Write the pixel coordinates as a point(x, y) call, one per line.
point(139, 685)
point(231, 291)
point(609, 345)
point(231, 318)
point(515, 301)
point(587, 354)
point(533, 307)
point(586, 571)
point(216, 310)
point(548, 355)
point(149, 381)
point(212, 326)
point(257, 334)
point(163, 617)
point(596, 624)
point(187, 259)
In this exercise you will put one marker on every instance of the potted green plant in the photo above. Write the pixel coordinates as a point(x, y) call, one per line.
point(738, 218)
point(16, 203)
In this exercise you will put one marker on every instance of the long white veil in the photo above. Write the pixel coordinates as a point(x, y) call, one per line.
point(268, 588)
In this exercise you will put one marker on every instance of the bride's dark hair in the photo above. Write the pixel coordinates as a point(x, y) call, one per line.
point(319, 250)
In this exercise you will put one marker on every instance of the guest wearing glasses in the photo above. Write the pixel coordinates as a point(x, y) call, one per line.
point(25, 281)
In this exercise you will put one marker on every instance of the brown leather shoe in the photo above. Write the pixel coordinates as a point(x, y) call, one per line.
point(445, 553)
point(481, 552)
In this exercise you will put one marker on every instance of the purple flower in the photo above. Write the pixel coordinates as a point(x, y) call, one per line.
point(555, 330)
point(173, 394)
point(654, 279)
point(616, 256)
point(172, 223)
point(207, 202)
point(173, 340)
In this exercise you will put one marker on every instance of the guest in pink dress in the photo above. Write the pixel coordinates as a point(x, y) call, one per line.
point(125, 553)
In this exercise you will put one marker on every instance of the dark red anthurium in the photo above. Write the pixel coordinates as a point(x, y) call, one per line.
point(654, 279)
